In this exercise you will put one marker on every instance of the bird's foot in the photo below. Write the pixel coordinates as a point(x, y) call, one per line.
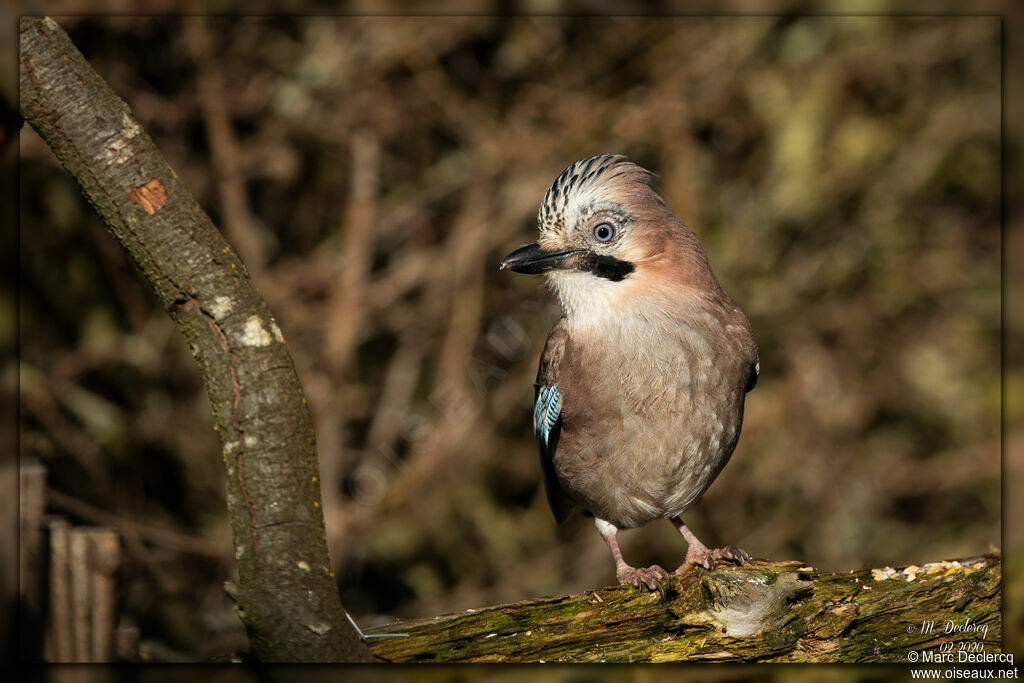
point(705, 557)
point(651, 577)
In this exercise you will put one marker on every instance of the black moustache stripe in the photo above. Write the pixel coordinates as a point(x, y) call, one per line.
point(604, 266)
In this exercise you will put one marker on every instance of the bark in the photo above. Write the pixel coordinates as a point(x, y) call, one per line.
point(763, 612)
point(286, 595)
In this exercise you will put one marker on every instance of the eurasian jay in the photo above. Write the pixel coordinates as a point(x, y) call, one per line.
point(640, 391)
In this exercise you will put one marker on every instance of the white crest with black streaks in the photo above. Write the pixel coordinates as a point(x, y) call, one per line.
point(576, 186)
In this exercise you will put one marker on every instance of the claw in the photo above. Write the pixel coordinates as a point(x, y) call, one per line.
point(651, 577)
point(661, 589)
point(700, 555)
point(731, 552)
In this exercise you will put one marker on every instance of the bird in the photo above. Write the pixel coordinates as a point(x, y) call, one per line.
point(641, 384)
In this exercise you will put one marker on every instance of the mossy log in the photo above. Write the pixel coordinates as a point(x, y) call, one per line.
point(762, 612)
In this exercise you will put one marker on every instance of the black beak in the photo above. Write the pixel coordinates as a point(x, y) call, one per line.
point(532, 259)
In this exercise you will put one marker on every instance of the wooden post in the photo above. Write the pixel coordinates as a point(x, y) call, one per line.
point(59, 637)
point(104, 559)
point(78, 567)
point(32, 557)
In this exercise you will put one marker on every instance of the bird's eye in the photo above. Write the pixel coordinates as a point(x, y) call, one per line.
point(604, 232)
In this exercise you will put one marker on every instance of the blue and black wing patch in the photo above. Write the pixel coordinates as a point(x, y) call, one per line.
point(546, 412)
point(547, 427)
point(548, 419)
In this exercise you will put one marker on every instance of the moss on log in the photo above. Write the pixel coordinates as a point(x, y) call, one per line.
point(763, 612)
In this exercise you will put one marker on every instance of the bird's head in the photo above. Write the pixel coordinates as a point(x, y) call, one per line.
point(604, 236)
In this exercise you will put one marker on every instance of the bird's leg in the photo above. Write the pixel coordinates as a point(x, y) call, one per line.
point(633, 576)
point(698, 553)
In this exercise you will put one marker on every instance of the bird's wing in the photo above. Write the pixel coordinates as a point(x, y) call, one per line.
point(755, 372)
point(547, 419)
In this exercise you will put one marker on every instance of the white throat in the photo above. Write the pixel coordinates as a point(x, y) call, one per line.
point(587, 300)
point(628, 311)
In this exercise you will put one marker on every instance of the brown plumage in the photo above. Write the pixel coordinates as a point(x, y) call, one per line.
point(641, 384)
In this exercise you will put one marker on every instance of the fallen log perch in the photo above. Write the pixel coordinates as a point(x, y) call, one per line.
point(763, 612)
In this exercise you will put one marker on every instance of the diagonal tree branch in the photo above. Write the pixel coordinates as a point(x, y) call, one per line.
point(287, 596)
